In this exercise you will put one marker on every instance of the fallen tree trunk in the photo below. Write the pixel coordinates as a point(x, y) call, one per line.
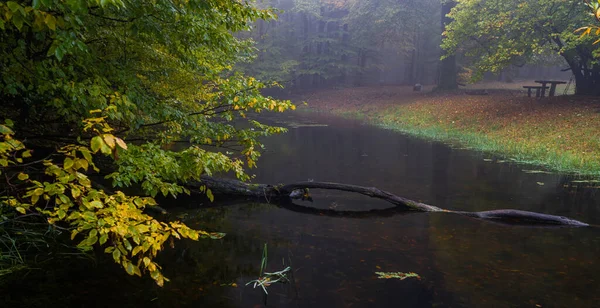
point(279, 193)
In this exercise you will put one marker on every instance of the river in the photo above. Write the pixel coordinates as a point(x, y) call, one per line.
point(462, 262)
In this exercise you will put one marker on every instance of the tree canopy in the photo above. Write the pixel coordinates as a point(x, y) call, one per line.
point(142, 92)
point(495, 34)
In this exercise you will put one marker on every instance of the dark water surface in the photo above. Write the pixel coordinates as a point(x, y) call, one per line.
point(463, 262)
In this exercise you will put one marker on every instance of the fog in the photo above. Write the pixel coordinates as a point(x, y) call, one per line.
point(318, 44)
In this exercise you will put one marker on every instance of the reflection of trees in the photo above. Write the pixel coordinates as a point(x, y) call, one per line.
point(439, 173)
point(196, 269)
point(498, 266)
point(574, 200)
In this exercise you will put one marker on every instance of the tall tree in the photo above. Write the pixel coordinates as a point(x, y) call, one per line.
point(496, 34)
point(447, 77)
point(121, 82)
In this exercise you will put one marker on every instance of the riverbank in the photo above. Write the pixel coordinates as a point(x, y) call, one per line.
point(561, 133)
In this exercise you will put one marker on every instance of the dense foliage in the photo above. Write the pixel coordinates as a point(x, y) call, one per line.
point(112, 86)
point(496, 34)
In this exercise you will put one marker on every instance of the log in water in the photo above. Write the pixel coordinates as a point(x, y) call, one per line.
point(285, 192)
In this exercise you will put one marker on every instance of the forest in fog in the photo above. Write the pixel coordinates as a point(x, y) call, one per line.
point(327, 43)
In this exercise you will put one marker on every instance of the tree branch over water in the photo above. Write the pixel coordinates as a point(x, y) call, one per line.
point(286, 192)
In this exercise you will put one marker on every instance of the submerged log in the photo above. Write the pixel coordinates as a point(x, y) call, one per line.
point(286, 192)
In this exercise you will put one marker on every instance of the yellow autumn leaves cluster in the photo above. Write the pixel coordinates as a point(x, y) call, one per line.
point(96, 217)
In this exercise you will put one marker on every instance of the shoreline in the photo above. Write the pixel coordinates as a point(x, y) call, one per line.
point(560, 133)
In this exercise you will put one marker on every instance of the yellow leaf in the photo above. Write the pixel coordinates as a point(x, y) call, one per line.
point(68, 163)
point(20, 209)
point(74, 233)
point(121, 143)
point(110, 140)
point(136, 250)
point(23, 176)
point(75, 192)
point(83, 163)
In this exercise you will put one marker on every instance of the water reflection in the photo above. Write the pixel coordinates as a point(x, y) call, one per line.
point(462, 262)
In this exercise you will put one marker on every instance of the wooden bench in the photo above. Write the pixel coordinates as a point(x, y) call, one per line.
point(538, 90)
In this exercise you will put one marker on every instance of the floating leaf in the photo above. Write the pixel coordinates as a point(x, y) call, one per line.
point(396, 275)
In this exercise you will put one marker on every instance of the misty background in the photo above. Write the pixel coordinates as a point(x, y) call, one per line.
point(318, 44)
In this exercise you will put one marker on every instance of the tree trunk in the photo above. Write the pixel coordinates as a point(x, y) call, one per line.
point(587, 74)
point(286, 192)
point(587, 82)
point(447, 78)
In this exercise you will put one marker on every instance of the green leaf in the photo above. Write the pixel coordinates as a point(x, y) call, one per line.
point(97, 204)
point(105, 149)
point(116, 254)
point(59, 53)
point(13, 6)
point(20, 209)
point(96, 144)
point(68, 163)
point(23, 176)
point(5, 129)
point(92, 240)
point(103, 238)
point(210, 196)
point(17, 20)
point(127, 244)
point(129, 268)
point(50, 21)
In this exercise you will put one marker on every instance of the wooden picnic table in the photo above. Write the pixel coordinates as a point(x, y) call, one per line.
point(552, 83)
point(538, 90)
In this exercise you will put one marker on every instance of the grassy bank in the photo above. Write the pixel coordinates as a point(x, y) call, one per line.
point(561, 133)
